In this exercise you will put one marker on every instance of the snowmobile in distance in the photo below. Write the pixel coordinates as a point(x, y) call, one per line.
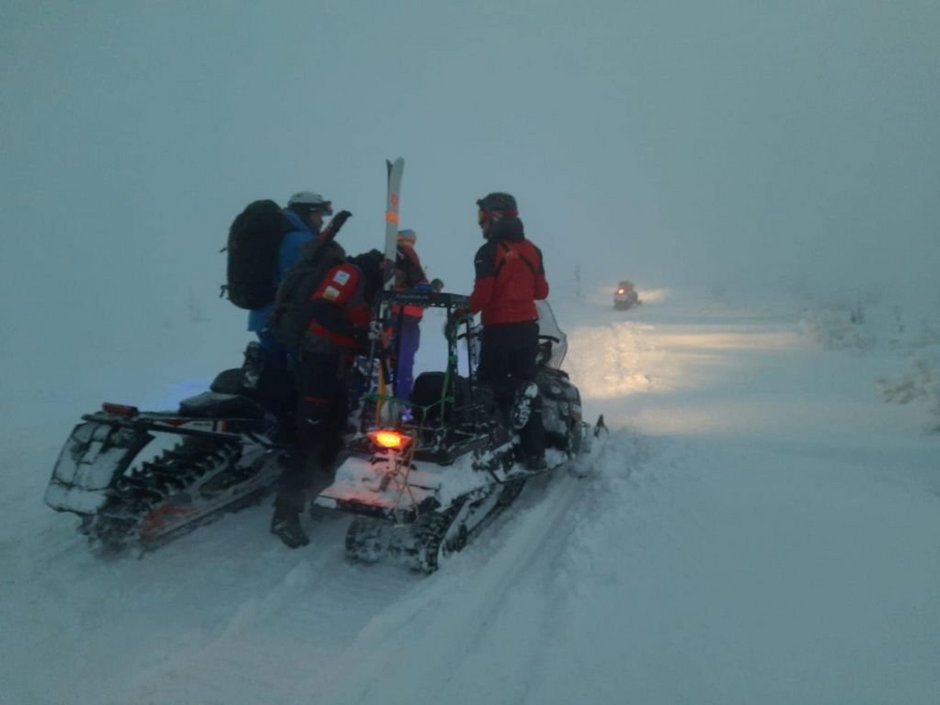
point(421, 489)
point(139, 478)
point(626, 296)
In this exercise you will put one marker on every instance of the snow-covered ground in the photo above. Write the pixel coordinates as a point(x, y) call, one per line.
point(761, 527)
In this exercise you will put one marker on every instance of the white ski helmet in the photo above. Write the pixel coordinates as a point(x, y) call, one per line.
point(311, 201)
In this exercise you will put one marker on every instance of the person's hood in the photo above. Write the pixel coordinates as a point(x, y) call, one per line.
point(510, 229)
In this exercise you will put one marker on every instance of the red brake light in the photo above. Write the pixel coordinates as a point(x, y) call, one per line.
point(119, 409)
point(389, 439)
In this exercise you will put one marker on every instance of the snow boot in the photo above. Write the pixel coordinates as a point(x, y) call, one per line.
point(536, 463)
point(522, 407)
point(286, 526)
point(253, 366)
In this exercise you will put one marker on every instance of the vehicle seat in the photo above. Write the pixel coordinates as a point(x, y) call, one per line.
point(426, 396)
point(215, 405)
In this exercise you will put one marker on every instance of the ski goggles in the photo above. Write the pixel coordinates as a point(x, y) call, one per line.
point(484, 217)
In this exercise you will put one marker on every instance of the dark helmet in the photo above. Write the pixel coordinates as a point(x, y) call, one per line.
point(493, 208)
point(497, 201)
point(370, 264)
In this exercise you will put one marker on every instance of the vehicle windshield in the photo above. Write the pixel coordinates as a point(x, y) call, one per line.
point(548, 328)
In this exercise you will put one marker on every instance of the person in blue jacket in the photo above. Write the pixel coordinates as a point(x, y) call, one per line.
point(305, 210)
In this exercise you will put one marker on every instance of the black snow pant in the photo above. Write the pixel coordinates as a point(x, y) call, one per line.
point(507, 363)
point(322, 409)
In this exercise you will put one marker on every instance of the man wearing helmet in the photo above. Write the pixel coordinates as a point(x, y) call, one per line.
point(510, 277)
point(305, 211)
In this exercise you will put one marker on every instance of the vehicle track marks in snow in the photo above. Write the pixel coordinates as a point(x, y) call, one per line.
point(501, 595)
point(288, 639)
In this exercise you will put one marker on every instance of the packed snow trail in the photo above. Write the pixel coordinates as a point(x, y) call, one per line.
point(758, 528)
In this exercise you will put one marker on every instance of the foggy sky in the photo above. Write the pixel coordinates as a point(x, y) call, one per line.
point(674, 143)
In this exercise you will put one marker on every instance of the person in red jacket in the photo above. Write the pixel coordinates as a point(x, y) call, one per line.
point(338, 331)
point(510, 277)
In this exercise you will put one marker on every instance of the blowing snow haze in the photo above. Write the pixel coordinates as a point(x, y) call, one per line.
point(676, 143)
point(759, 527)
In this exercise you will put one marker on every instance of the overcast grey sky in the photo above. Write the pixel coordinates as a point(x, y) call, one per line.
point(675, 143)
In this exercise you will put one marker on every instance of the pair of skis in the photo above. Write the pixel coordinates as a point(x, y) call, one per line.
point(395, 170)
point(394, 173)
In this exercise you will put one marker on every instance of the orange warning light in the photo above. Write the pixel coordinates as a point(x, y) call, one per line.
point(389, 439)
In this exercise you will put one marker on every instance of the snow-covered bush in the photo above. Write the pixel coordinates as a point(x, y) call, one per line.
point(904, 326)
point(837, 328)
point(917, 337)
point(911, 385)
point(932, 392)
point(920, 384)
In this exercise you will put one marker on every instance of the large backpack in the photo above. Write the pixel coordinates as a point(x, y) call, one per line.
point(254, 242)
point(293, 305)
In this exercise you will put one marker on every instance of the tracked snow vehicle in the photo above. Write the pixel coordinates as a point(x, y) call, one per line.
point(626, 296)
point(139, 478)
point(420, 489)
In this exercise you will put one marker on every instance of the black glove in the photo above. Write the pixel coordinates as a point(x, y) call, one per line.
point(362, 340)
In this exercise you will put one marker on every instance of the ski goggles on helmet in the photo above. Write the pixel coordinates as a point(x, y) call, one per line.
point(484, 217)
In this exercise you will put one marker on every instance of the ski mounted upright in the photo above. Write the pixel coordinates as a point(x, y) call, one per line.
point(395, 170)
point(394, 173)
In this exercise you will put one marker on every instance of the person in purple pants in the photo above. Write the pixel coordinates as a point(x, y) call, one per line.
point(407, 319)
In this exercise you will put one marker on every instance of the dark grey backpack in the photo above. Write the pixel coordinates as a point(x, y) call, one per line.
point(292, 304)
point(254, 243)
